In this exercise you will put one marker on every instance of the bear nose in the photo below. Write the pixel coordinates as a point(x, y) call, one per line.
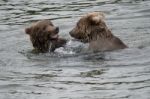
point(71, 33)
point(57, 29)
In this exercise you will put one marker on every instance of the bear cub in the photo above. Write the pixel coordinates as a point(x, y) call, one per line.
point(92, 29)
point(44, 36)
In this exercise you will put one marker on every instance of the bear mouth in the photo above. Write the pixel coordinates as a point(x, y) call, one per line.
point(54, 37)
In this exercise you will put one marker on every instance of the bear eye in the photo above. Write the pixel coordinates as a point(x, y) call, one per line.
point(44, 28)
point(88, 35)
point(36, 29)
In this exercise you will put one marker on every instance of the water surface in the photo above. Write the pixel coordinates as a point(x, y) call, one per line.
point(123, 74)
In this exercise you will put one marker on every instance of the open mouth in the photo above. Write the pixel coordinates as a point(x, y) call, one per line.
point(54, 37)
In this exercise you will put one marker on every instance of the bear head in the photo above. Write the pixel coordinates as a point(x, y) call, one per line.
point(90, 27)
point(42, 33)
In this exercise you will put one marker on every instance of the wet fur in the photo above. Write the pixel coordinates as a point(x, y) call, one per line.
point(40, 35)
point(92, 29)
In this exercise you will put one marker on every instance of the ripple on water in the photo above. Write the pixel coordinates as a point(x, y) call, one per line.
point(68, 74)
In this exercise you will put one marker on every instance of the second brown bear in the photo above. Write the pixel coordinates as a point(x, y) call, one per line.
point(92, 29)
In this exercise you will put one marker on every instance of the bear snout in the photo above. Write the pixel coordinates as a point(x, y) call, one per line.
point(72, 34)
point(57, 29)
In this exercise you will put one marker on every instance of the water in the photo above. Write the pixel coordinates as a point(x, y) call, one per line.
point(123, 74)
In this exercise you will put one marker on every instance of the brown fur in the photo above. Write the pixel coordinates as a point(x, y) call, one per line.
point(44, 36)
point(92, 29)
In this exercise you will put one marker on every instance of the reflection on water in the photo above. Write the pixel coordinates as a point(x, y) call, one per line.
point(67, 74)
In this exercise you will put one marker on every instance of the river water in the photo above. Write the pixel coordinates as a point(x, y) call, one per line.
point(122, 74)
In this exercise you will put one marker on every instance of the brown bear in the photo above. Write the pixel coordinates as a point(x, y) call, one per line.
point(92, 29)
point(44, 36)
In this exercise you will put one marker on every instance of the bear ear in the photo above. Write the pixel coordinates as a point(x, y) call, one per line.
point(28, 30)
point(97, 17)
